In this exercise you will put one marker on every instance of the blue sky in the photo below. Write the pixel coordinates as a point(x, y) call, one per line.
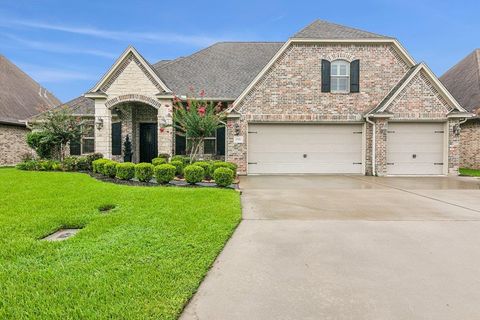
point(68, 45)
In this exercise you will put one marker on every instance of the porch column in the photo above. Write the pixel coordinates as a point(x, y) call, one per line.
point(165, 129)
point(103, 128)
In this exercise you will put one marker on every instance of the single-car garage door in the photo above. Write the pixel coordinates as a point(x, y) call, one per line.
point(304, 148)
point(415, 148)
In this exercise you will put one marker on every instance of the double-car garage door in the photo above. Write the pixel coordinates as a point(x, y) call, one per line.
point(412, 148)
point(304, 148)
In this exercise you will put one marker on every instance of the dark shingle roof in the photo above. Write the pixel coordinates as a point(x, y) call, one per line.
point(223, 70)
point(20, 96)
point(320, 29)
point(463, 81)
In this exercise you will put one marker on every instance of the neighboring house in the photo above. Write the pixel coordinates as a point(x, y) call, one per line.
point(463, 81)
point(20, 98)
point(331, 99)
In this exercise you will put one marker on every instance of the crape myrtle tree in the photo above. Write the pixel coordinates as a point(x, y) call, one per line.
point(55, 129)
point(197, 119)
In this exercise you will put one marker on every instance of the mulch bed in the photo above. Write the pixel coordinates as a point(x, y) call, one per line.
point(152, 183)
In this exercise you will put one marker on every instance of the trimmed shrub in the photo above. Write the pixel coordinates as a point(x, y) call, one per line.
point(29, 165)
point(207, 168)
point(223, 177)
point(164, 173)
point(165, 156)
point(125, 171)
point(193, 174)
point(110, 169)
point(92, 157)
point(178, 164)
point(82, 164)
point(97, 165)
point(144, 171)
point(184, 159)
point(222, 164)
point(158, 161)
point(69, 163)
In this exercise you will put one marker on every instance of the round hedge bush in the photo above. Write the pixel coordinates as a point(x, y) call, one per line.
point(164, 173)
point(158, 161)
point(223, 176)
point(193, 174)
point(82, 164)
point(207, 167)
point(230, 165)
point(125, 171)
point(110, 169)
point(178, 164)
point(144, 171)
point(97, 165)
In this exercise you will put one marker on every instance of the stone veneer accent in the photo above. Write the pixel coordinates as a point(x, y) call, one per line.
point(133, 90)
point(13, 145)
point(470, 144)
point(290, 91)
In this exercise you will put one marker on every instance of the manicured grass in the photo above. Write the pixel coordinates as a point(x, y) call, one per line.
point(141, 260)
point(469, 172)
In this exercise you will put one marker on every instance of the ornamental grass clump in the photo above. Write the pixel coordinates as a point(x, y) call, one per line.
point(144, 171)
point(193, 174)
point(125, 171)
point(223, 177)
point(164, 173)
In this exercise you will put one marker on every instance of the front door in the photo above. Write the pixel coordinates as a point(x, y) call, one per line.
point(148, 141)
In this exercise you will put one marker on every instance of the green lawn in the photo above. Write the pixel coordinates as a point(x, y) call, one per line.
point(469, 172)
point(142, 260)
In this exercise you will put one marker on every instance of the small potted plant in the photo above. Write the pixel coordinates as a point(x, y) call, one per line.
point(127, 150)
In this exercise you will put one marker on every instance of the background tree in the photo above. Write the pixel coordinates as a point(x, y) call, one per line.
point(197, 119)
point(57, 128)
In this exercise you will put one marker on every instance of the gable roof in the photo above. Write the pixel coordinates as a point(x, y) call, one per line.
point(463, 81)
point(390, 97)
point(20, 96)
point(148, 68)
point(223, 70)
point(321, 29)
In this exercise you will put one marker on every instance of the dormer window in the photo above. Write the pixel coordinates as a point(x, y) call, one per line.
point(340, 76)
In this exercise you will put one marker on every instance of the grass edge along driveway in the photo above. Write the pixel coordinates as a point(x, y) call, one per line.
point(142, 260)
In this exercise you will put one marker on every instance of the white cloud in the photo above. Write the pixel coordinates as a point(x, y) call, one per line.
point(57, 48)
point(117, 35)
point(52, 75)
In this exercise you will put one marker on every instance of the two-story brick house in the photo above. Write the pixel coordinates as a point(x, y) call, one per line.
point(331, 99)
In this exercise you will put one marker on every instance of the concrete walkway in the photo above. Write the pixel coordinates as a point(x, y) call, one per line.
point(349, 247)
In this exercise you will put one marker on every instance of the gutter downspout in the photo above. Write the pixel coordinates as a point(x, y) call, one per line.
point(374, 171)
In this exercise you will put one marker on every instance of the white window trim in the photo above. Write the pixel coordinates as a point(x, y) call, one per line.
point(332, 76)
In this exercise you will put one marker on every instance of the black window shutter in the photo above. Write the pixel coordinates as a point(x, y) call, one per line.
point(221, 141)
point(355, 76)
point(117, 138)
point(325, 75)
point(75, 148)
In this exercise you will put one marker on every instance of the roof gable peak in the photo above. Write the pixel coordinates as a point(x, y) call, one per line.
point(321, 29)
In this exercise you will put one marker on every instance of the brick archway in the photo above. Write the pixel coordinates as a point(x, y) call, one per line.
point(133, 98)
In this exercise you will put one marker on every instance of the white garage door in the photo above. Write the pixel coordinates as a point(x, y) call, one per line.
point(415, 148)
point(304, 148)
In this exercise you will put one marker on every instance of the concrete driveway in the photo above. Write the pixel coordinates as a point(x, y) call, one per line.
point(349, 247)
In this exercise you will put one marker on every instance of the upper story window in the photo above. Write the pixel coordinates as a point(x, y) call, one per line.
point(340, 76)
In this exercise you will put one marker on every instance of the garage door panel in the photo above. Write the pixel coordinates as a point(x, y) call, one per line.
point(280, 148)
point(415, 148)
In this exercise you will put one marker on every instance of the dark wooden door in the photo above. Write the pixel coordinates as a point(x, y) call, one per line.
point(148, 141)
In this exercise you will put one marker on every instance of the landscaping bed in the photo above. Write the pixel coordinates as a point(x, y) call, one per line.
point(141, 259)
